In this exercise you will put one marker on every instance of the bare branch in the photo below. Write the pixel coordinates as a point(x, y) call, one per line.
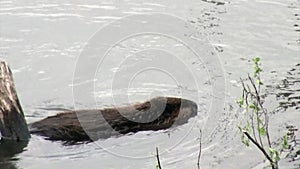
point(258, 146)
point(200, 149)
point(157, 157)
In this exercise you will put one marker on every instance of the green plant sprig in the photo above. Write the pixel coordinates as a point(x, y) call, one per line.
point(256, 129)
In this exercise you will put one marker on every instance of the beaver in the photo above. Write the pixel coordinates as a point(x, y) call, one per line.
point(90, 125)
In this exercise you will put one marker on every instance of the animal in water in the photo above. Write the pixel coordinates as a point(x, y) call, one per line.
point(90, 125)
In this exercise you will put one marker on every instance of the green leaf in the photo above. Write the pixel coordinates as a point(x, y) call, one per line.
point(284, 143)
point(259, 82)
point(259, 121)
point(256, 60)
point(245, 141)
point(240, 128)
point(240, 102)
point(274, 154)
point(257, 70)
point(262, 131)
point(252, 106)
point(271, 150)
point(248, 127)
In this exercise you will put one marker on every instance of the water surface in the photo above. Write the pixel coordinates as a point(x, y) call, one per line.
point(42, 40)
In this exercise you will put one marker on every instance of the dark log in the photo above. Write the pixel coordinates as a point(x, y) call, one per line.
point(90, 125)
point(12, 122)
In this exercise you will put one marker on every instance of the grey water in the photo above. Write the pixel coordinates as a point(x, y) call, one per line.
point(198, 49)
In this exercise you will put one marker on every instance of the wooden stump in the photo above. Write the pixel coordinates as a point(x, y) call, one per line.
point(12, 122)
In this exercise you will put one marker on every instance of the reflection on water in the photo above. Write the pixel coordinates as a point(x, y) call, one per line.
point(8, 151)
point(215, 2)
point(287, 92)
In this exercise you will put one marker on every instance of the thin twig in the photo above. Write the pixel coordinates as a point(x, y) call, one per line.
point(257, 96)
point(254, 87)
point(259, 147)
point(263, 110)
point(243, 96)
point(248, 92)
point(200, 149)
point(267, 133)
point(157, 157)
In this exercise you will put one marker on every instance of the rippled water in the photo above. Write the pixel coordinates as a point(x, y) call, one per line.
point(42, 42)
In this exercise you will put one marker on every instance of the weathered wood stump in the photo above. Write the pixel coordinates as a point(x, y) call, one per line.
point(12, 122)
point(90, 125)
